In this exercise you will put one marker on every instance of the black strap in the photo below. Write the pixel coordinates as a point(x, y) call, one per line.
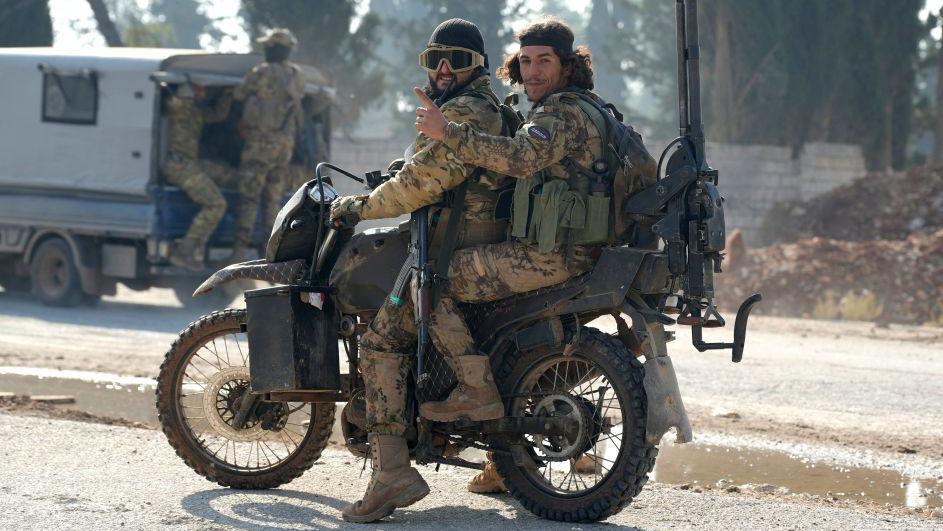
point(450, 239)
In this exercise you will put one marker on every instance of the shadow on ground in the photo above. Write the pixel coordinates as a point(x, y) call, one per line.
point(281, 509)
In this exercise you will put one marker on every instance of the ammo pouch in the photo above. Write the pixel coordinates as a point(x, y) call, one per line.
point(554, 213)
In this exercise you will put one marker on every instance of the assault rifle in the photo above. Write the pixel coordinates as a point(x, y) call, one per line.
point(685, 207)
point(420, 226)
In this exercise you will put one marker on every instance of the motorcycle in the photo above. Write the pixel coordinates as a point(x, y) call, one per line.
point(247, 397)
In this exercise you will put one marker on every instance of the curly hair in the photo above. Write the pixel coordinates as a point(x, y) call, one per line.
point(577, 64)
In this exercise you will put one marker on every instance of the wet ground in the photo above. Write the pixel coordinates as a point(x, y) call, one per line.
point(694, 466)
point(748, 469)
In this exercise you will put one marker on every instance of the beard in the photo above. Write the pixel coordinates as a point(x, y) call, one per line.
point(434, 92)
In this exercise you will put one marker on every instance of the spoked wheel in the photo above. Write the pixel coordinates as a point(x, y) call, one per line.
point(217, 427)
point(596, 469)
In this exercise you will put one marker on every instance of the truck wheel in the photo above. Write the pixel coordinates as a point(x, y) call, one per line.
point(53, 274)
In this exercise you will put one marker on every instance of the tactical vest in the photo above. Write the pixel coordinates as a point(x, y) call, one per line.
point(275, 111)
point(476, 225)
point(585, 207)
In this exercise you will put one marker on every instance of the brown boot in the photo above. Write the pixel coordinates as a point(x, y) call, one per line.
point(476, 396)
point(488, 481)
point(588, 464)
point(394, 482)
point(187, 253)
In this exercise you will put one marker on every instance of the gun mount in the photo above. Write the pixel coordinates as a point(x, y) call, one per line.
point(685, 208)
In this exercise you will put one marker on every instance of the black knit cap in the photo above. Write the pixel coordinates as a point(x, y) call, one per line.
point(459, 32)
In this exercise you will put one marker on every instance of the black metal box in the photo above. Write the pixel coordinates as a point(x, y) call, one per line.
point(292, 344)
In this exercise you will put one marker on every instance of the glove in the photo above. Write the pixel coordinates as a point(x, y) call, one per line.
point(346, 209)
point(395, 166)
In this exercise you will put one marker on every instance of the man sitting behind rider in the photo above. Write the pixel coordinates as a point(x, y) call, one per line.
point(557, 230)
point(457, 68)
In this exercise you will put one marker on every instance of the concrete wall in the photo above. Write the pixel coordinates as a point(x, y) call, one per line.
point(753, 178)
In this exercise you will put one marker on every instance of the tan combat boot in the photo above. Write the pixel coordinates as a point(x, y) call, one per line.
point(487, 481)
point(475, 398)
point(587, 464)
point(394, 483)
point(184, 253)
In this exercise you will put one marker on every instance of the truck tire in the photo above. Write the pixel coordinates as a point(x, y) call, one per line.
point(53, 274)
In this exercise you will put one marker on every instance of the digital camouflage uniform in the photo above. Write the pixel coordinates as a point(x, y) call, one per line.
point(556, 130)
point(199, 179)
point(392, 335)
point(271, 118)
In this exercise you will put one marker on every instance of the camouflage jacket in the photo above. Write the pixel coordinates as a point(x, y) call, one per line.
point(556, 128)
point(551, 156)
point(434, 169)
point(185, 123)
point(272, 94)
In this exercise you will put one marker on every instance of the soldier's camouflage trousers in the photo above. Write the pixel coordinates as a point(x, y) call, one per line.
point(262, 178)
point(476, 274)
point(200, 180)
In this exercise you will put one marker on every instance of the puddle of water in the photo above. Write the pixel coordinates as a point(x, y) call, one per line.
point(708, 465)
point(133, 399)
point(118, 399)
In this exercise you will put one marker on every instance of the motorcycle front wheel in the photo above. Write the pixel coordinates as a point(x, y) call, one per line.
point(594, 474)
point(202, 383)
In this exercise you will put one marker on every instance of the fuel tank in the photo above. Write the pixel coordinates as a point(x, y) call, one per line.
point(367, 268)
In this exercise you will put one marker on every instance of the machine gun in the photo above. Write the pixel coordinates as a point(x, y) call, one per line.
point(685, 207)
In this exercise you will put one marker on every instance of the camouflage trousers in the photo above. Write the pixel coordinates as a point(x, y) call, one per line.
point(476, 274)
point(201, 180)
point(261, 179)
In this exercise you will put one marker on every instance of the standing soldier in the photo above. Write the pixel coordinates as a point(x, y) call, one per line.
point(271, 118)
point(199, 179)
point(567, 198)
point(457, 67)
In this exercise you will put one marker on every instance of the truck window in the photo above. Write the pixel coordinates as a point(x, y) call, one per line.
point(70, 97)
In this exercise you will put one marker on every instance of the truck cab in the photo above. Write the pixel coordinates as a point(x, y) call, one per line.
point(83, 200)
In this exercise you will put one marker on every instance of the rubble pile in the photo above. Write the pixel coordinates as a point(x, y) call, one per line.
point(875, 207)
point(882, 280)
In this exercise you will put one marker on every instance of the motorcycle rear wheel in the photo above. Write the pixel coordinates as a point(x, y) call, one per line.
point(204, 375)
point(572, 384)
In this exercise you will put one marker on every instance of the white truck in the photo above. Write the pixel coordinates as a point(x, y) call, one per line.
point(83, 202)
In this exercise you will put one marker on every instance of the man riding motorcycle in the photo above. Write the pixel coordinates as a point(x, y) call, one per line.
point(557, 225)
point(457, 67)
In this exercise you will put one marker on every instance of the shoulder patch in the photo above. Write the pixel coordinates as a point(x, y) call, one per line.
point(540, 133)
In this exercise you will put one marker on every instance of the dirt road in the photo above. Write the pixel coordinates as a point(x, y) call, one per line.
point(107, 477)
point(846, 382)
point(848, 394)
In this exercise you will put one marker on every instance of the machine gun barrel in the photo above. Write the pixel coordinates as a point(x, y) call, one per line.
point(689, 80)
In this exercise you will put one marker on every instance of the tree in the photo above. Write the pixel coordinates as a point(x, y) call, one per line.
point(789, 72)
point(106, 25)
point(325, 40)
point(25, 23)
point(185, 19)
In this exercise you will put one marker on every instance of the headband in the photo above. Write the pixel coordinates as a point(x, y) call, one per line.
point(556, 41)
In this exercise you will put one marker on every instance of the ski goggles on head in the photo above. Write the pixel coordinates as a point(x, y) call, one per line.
point(458, 59)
